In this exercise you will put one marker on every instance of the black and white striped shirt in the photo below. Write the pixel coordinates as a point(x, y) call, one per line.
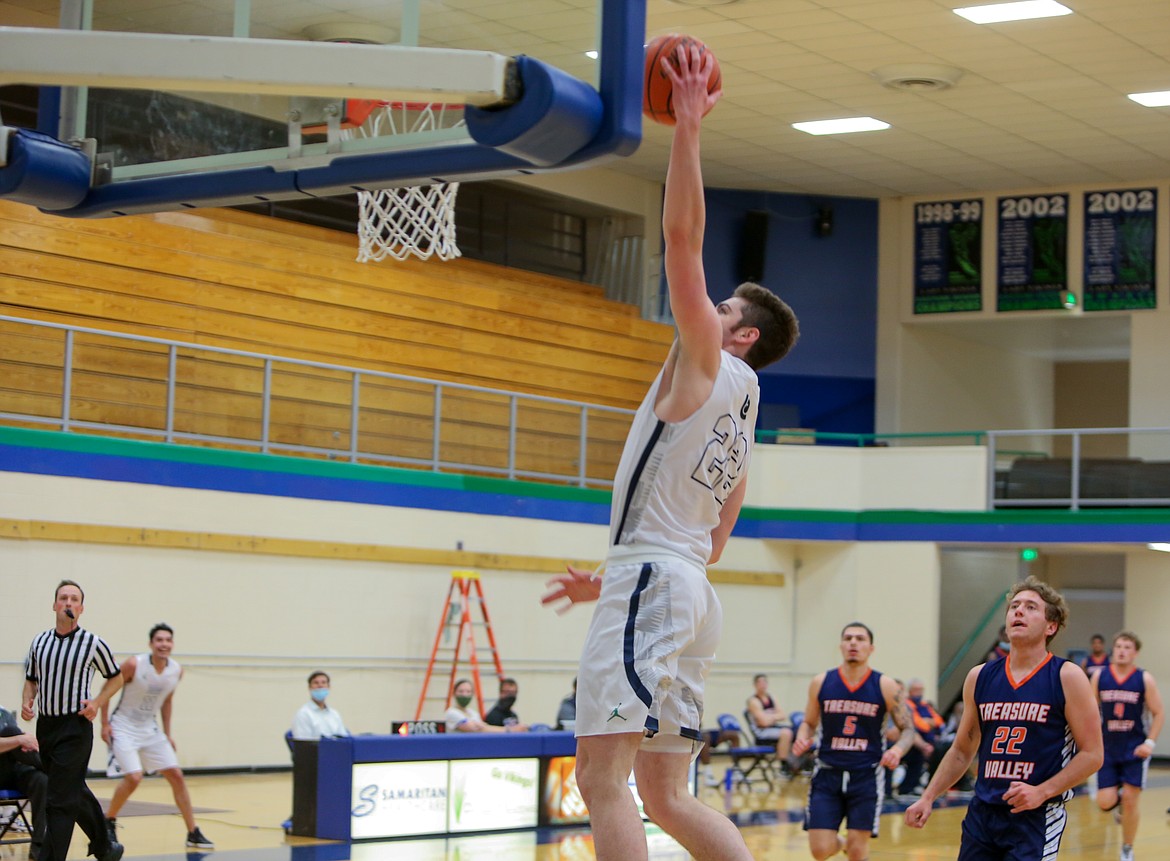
point(62, 667)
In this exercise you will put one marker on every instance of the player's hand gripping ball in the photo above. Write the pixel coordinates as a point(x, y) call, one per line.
point(657, 94)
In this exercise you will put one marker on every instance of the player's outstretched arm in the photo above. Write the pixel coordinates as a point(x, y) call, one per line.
point(956, 761)
point(1084, 720)
point(683, 225)
point(578, 586)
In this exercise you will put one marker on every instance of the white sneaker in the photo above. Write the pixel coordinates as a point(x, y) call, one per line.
point(1126, 853)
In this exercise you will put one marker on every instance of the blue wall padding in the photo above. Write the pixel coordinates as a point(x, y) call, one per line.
point(557, 115)
point(44, 172)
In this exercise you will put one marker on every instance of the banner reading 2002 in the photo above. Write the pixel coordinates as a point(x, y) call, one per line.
point(1120, 227)
point(948, 243)
point(1032, 252)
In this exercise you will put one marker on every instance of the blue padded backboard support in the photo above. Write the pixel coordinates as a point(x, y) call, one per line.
point(557, 116)
point(558, 122)
point(43, 171)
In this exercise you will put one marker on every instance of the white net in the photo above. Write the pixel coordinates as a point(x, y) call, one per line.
point(412, 220)
point(416, 220)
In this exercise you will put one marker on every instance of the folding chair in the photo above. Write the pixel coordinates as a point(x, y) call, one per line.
point(750, 764)
point(15, 798)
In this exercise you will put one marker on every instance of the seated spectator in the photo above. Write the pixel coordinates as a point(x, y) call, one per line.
point(315, 719)
point(21, 770)
point(768, 722)
point(567, 712)
point(461, 717)
point(928, 723)
point(501, 713)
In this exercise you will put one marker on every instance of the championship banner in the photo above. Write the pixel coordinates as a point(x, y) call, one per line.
point(948, 253)
point(1120, 227)
point(1032, 252)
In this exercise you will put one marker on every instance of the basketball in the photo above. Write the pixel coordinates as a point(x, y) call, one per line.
point(657, 103)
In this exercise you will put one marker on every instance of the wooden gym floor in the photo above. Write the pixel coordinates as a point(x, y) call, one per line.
point(242, 813)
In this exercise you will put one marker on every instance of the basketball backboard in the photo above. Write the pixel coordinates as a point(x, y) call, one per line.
point(219, 102)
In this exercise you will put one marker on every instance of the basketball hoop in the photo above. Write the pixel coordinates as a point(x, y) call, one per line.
point(411, 220)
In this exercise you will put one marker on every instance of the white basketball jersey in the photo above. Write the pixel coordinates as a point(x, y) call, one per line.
point(673, 478)
point(143, 696)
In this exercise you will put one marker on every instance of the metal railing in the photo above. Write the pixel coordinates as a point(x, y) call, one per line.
point(74, 378)
point(78, 379)
point(869, 440)
point(1069, 468)
point(1078, 468)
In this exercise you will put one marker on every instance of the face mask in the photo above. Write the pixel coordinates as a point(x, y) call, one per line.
point(1004, 644)
point(462, 702)
point(319, 694)
point(506, 702)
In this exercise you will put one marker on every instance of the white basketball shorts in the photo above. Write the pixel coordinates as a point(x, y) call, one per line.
point(649, 648)
point(134, 750)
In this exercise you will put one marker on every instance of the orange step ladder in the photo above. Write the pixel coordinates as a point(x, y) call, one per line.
point(465, 591)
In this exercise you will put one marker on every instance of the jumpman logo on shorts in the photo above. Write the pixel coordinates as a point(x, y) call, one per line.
point(615, 714)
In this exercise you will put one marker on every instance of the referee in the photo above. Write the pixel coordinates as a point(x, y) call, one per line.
point(57, 673)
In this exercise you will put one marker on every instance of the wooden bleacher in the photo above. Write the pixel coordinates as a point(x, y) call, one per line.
point(243, 281)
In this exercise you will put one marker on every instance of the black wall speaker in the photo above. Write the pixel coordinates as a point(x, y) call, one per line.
point(753, 245)
point(823, 222)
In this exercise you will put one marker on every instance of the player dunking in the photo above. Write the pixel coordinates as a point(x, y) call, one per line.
point(1126, 693)
point(849, 705)
point(677, 494)
point(1032, 719)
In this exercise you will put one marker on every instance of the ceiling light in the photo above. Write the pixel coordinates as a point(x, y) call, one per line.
point(1022, 11)
point(358, 33)
point(1159, 99)
point(917, 77)
point(1165, 548)
point(841, 126)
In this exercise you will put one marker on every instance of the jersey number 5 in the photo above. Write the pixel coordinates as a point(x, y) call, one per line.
point(1007, 740)
point(850, 725)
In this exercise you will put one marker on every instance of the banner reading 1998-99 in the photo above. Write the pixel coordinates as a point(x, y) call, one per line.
point(1120, 227)
point(1032, 252)
point(948, 242)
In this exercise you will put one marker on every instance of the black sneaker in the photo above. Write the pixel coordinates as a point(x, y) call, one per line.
point(112, 828)
point(197, 840)
point(114, 853)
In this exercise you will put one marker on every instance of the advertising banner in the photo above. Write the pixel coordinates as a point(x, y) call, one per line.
point(393, 799)
point(493, 794)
